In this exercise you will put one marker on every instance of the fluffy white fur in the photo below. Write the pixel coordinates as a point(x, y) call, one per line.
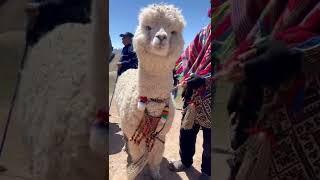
point(54, 107)
point(152, 79)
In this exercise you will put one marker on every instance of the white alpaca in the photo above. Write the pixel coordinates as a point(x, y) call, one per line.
point(55, 106)
point(158, 43)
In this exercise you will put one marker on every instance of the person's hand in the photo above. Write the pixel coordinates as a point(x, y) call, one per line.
point(247, 55)
point(234, 73)
point(119, 65)
point(195, 81)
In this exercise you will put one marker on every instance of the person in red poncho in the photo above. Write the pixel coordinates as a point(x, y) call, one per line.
point(194, 67)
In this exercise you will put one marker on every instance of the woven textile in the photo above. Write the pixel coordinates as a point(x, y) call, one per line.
point(292, 113)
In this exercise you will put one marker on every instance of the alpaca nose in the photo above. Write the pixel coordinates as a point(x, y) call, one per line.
point(161, 37)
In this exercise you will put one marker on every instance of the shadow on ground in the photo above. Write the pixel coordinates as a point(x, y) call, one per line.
point(115, 139)
point(167, 174)
point(192, 172)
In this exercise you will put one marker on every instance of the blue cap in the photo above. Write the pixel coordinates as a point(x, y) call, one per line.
point(127, 34)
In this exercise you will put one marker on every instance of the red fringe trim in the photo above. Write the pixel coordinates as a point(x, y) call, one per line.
point(102, 115)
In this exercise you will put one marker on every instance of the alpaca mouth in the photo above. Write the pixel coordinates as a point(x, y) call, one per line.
point(160, 46)
point(161, 50)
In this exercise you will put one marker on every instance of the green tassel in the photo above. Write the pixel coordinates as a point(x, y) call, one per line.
point(164, 116)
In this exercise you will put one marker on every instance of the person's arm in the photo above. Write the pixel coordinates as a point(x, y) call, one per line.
point(122, 56)
point(195, 81)
point(129, 56)
point(275, 64)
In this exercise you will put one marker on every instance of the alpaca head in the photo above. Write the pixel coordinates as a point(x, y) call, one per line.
point(159, 33)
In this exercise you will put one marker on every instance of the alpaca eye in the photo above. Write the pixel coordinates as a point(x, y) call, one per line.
point(148, 28)
point(173, 32)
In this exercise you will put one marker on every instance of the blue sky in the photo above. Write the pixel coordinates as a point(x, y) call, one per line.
point(123, 16)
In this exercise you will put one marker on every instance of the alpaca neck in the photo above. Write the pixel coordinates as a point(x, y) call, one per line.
point(154, 81)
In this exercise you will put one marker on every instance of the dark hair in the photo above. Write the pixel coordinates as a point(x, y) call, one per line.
point(52, 14)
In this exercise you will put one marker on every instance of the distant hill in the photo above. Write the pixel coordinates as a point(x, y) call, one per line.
point(117, 51)
point(113, 65)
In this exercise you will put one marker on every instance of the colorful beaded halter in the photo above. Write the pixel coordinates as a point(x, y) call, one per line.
point(148, 125)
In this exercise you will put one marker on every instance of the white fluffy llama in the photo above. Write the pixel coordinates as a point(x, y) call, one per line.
point(55, 106)
point(143, 94)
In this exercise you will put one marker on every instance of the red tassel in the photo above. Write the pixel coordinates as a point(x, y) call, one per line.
point(146, 129)
point(102, 115)
point(143, 99)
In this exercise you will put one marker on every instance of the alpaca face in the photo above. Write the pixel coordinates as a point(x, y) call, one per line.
point(160, 38)
point(160, 31)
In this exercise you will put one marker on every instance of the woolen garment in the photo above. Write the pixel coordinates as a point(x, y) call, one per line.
point(128, 59)
point(196, 59)
point(290, 113)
